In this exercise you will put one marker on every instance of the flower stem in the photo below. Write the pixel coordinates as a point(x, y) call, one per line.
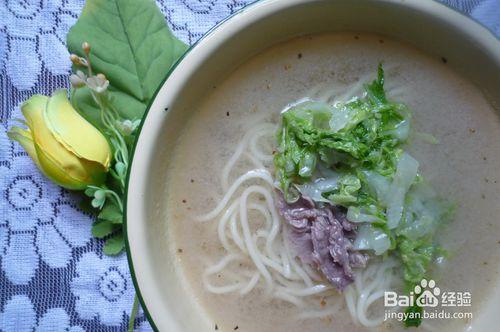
point(117, 199)
point(135, 308)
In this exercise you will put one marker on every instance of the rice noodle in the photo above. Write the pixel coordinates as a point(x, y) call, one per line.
point(369, 286)
point(257, 251)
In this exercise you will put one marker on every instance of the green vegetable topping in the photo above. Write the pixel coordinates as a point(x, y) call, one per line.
point(364, 133)
point(414, 314)
point(351, 154)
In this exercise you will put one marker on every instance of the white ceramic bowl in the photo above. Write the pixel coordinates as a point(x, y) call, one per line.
point(436, 29)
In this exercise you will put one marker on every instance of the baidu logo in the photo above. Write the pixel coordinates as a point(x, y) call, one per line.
point(427, 294)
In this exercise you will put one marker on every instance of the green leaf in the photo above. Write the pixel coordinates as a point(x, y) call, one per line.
point(416, 256)
point(375, 90)
point(132, 45)
point(101, 229)
point(114, 245)
point(111, 212)
point(349, 186)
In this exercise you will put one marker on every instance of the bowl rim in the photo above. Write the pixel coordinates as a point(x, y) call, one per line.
point(471, 21)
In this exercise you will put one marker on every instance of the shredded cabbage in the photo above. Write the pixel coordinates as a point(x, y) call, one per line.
point(351, 155)
point(372, 238)
point(310, 134)
point(404, 177)
point(315, 189)
point(368, 213)
point(378, 185)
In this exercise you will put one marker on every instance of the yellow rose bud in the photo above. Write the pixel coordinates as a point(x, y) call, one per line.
point(64, 146)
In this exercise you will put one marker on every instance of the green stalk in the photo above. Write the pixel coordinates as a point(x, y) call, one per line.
point(135, 309)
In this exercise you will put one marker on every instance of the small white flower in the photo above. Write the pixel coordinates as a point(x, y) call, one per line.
point(128, 126)
point(97, 83)
point(78, 80)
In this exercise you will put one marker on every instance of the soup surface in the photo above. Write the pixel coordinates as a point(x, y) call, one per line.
point(463, 167)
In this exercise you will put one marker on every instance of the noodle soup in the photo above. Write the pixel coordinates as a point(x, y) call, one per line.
point(227, 232)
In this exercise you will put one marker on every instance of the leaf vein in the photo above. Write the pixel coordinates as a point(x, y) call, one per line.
point(129, 41)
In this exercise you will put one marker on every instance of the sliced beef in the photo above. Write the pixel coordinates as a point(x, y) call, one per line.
point(322, 237)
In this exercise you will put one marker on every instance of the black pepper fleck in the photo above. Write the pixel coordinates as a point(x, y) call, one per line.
point(192, 181)
point(166, 109)
point(299, 55)
point(483, 196)
point(356, 37)
point(183, 201)
point(381, 41)
point(484, 158)
point(227, 113)
point(179, 250)
point(236, 327)
point(216, 327)
point(444, 60)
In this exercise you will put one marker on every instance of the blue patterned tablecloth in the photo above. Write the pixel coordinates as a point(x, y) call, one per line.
point(53, 275)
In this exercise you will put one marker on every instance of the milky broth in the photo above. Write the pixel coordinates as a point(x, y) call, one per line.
point(463, 167)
